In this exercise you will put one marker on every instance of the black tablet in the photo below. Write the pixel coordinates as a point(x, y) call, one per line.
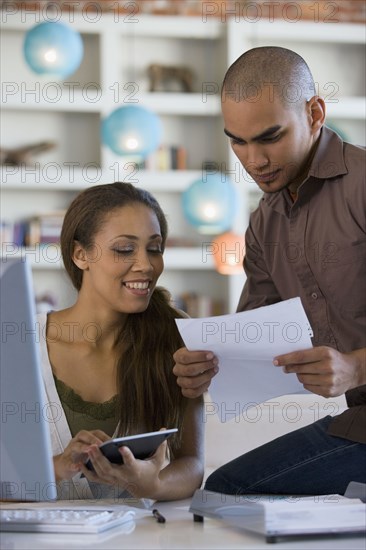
point(142, 446)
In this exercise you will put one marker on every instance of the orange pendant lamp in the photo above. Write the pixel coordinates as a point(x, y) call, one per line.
point(228, 251)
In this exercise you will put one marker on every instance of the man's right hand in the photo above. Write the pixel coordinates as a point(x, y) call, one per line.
point(194, 371)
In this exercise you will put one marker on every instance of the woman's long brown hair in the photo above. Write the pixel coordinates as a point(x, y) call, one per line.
point(148, 395)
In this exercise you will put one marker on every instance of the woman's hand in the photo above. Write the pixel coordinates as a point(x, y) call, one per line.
point(70, 462)
point(139, 477)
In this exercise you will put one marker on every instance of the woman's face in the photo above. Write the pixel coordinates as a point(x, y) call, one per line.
point(122, 268)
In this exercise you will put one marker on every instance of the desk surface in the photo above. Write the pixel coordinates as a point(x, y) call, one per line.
point(179, 531)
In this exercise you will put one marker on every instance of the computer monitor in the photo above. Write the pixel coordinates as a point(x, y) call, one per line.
point(26, 465)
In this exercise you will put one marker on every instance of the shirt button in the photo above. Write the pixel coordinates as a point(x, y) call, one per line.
point(314, 295)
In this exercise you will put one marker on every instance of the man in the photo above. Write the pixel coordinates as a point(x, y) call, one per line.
point(307, 238)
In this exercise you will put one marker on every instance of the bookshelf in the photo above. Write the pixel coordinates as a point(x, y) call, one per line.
point(69, 114)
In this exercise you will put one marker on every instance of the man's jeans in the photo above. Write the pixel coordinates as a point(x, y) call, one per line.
point(306, 461)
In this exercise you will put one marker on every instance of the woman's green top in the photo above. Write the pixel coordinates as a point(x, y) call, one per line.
point(86, 415)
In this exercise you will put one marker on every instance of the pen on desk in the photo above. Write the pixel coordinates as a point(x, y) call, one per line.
point(157, 515)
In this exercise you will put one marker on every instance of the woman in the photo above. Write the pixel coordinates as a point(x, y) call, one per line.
point(107, 360)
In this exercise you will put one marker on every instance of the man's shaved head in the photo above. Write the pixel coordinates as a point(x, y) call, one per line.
point(269, 70)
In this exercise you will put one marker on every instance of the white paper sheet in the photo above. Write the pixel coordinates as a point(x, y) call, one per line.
point(245, 344)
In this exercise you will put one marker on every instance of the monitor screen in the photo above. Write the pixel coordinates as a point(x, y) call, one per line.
point(26, 466)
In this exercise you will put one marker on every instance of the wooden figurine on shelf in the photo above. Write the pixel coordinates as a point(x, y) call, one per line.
point(22, 156)
point(159, 75)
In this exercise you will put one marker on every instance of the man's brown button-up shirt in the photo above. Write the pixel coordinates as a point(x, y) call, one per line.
point(315, 248)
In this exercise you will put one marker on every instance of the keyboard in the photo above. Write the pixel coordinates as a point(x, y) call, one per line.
point(62, 521)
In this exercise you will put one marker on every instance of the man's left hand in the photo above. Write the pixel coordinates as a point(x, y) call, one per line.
point(324, 370)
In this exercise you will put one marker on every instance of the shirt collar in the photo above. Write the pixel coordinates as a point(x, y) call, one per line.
point(328, 161)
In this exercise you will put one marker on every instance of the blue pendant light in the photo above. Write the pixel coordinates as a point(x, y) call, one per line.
point(210, 204)
point(132, 130)
point(53, 49)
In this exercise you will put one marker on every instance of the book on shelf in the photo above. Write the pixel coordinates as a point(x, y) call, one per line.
point(6, 231)
point(167, 157)
point(181, 242)
point(11, 233)
point(198, 305)
point(41, 229)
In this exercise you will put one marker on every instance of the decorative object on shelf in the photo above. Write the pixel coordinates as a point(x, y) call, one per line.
point(210, 203)
point(228, 252)
point(132, 131)
point(22, 156)
point(53, 49)
point(161, 76)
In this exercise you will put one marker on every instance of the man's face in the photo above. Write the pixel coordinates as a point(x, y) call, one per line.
point(273, 143)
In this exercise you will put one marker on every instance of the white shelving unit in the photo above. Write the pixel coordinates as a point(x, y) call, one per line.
point(113, 72)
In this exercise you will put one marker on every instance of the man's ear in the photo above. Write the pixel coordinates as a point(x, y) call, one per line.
point(316, 109)
point(80, 257)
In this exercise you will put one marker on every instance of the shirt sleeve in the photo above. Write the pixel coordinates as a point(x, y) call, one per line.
point(259, 289)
